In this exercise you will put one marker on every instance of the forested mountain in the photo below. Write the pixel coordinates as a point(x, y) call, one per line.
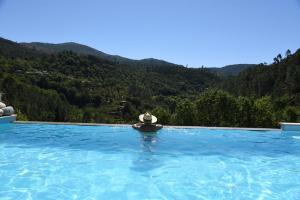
point(282, 78)
point(231, 70)
point(86, 50)
point(69, 86)
point(68, 46)
point(87, 85)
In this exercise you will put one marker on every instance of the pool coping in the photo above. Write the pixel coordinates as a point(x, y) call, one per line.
point(129, 125)
point(8, 119)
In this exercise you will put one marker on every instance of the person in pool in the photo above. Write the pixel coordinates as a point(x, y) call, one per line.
point(147, 123)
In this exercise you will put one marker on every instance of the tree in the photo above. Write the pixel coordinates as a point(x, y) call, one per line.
point(279, 57)
point(163, 115)
point(276, 61)
point(288, 53)
point(185, 114)
point(216, 108)
point(246, 112)
point(291, 114)
point(264, 112)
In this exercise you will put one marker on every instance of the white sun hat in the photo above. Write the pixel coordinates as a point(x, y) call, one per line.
point(147, 117)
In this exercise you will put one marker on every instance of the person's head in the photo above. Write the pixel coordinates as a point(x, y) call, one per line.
point(147, 118)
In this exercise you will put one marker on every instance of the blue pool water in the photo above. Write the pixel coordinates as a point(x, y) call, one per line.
point(93, 162)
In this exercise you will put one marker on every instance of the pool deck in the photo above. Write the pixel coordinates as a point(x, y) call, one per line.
point(129, 125)
point(287, 126)
point(8, 119)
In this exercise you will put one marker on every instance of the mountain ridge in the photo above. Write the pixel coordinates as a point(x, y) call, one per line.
point(50, 48)
point(228, 70)
point(231, 70)
point(87, 50)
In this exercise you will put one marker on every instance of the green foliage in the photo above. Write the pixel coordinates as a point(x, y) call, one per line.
point(217, 108)
point(292, 114)
point(163, 115)
point(185, 114)
point(246, 112)
point(36, 104)
point(264, 112)
point(21, 116)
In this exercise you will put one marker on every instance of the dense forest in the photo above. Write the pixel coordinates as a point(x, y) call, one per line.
point(69, 85)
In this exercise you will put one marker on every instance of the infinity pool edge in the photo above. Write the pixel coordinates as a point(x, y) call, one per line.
point(129, 125)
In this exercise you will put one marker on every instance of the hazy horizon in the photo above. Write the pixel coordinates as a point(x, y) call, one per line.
point(210, 33)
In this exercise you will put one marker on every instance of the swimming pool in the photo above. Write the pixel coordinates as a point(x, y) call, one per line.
point(102, 162)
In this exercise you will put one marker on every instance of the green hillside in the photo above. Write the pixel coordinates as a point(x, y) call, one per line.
point(74, 86)
point(231, 70)
point(90, 88)
point(86, 50)
point(279, 79)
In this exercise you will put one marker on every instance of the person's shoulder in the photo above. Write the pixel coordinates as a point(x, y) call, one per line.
point(137, 125)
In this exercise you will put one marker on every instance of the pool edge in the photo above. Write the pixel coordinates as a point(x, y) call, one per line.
point(129, 125)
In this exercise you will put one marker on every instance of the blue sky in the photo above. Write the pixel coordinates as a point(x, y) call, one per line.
point(212, 33)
